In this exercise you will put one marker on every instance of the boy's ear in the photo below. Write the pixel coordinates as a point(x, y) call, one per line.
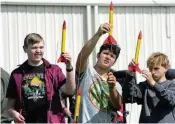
point(98, 55)
point(24, 48)
point(167, 67)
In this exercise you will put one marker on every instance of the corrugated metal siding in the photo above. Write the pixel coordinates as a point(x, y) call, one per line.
point(18, 21)
point(156, 23)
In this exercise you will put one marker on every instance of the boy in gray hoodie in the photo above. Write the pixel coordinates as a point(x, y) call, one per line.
point(156, 94)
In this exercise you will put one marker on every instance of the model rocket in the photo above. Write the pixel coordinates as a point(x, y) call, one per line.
point(138, 48)
point(63, 44)
point(77, 107)
point(110, 38)
point(136, 67)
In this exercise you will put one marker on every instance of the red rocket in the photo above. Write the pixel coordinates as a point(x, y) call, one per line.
point(110, 39)
point(61, 58)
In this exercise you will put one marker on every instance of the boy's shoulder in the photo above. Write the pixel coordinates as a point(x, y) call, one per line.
point(170, 82)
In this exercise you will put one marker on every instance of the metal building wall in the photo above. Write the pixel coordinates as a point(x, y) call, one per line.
point(18, 21)
point(156, 23)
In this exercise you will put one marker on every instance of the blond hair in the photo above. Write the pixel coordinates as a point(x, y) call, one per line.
point(157, 59)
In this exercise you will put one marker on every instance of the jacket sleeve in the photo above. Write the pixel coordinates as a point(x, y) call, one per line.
point(133, 92)
point(166, 94)
point(11, 90)
point(61, 79)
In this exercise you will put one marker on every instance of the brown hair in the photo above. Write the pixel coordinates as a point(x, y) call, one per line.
point(157, 59)
point(115, 49)
point(32, 38)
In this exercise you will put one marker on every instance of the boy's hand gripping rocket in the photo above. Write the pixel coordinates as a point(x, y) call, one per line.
point(61, 58)
point(110, 39)
point(136, 66)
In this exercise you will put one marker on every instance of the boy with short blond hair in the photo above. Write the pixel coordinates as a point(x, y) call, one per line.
point(156, 94)
point(157, 59)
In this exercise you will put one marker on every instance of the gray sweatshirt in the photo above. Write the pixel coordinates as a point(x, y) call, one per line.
point(5, 118)
point(158, 102)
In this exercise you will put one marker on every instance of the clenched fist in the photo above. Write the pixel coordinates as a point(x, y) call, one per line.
point(104, 28)
point(111, 80)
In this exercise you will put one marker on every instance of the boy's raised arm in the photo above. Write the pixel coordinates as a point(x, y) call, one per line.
point(82, 60)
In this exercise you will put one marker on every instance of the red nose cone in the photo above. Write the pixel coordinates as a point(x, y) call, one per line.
point(140, 35)
point(64, 24)
point(111, 7)
point(79, 92)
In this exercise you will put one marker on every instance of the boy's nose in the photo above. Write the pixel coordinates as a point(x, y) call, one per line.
point(108, 56)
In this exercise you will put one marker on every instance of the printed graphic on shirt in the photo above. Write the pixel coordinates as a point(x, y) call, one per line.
point(33, 86)
point(99, 95)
